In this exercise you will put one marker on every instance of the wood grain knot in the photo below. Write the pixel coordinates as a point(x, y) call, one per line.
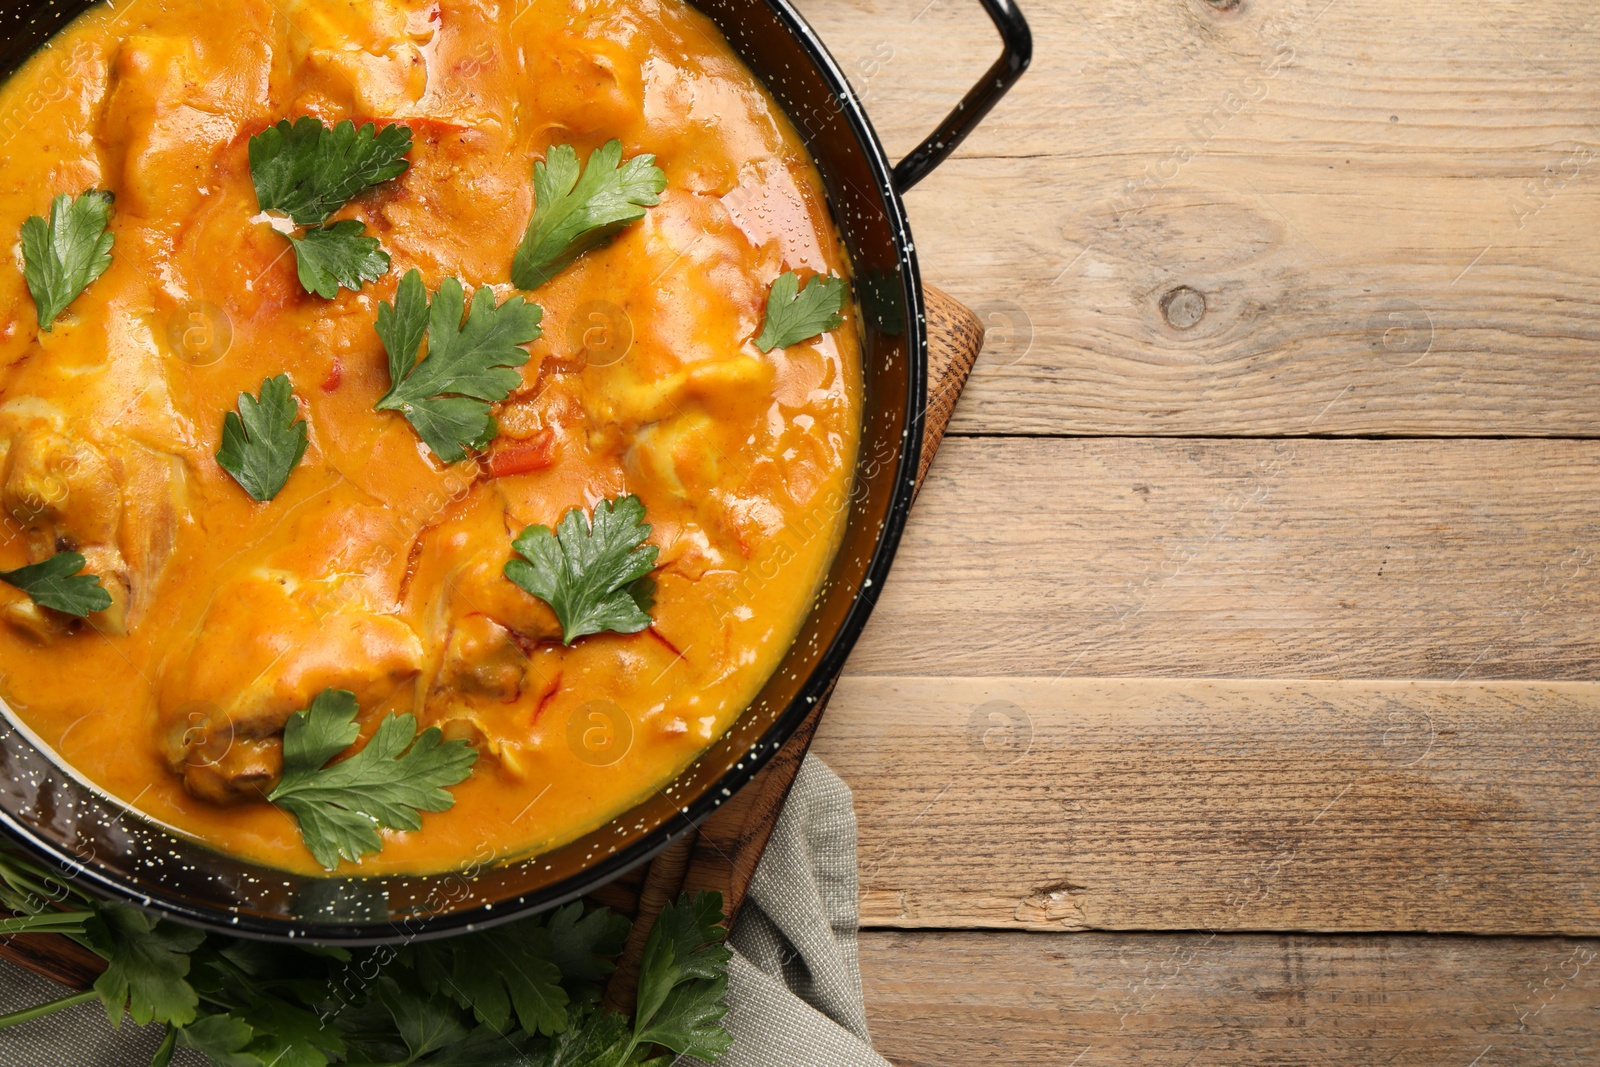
point(1058, 905)
point(1182, 307)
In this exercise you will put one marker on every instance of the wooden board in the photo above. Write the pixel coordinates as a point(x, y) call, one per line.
point(1130, 1000)
point(1388, 212)
point(1179, 804)
point(1290, 559)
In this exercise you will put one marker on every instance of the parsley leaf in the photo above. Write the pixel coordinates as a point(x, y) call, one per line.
point(287, 1035)
point(446, 396)
point(584, 945)
point(573, 212)
point(60, 258)
point(148, 965)
point(221, 1038)
point(270, 998)
point(402, 325)
point(510, 970)
point(795, 314)
point(262, 442)
point(425, 1024)
point(55, 583)
point(683, 979)
point(513, 977)
point(330, 256)
point(597, 1039)
point(387, 784)
point(308, 171)
point(589, 572)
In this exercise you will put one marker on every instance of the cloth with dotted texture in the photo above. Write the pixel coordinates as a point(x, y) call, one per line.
point(794, 986)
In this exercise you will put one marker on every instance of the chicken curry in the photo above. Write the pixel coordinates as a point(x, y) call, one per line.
point(424, 424)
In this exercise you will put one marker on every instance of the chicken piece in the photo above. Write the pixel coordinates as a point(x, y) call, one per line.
point(460, 568)
point(121, 506)
point(258, 628)
point(482, 657)
point(217, 765)
point(588, 84)
point(632, 399)
point(681, 456)
point(154, 506)
point(484, 666)
point(163, 126)
point(692, 332)
point(479, 586)
point(362, 57)
point(686, 548)
point(462, 206)
point(235, 265)
point(62, 491)
point(101, 467)
point(316, 612)
point(485, 633)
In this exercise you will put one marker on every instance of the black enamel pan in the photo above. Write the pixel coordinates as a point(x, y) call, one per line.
point(96, 840)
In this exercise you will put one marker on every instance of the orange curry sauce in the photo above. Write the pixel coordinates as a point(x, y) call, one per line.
point(379, 569)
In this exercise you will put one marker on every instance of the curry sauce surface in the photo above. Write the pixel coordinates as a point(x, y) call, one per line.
point(378, 569)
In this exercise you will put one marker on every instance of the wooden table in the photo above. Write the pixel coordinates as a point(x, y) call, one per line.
point(1232, 700)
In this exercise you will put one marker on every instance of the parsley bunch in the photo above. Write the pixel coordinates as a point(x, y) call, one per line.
point(306, 171)
point(526, 993)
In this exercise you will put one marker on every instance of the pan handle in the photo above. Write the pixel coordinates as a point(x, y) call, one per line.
point(1018, 50)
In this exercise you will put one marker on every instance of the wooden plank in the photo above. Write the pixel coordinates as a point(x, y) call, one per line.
point(1073, 803)
point(1125, 78)
point(1261, 218)
point(1129, 1000)
point(1299, 558)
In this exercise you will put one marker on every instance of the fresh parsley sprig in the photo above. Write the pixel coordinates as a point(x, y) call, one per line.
point(56, 584)
point(593, 574)
point(62, 256)
point(147, 962)
point(307, 171)
point(683, 980)
point(469, 364)
point(264, 441)
point(388, 784)
point(795, 314)
point(574, 211)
